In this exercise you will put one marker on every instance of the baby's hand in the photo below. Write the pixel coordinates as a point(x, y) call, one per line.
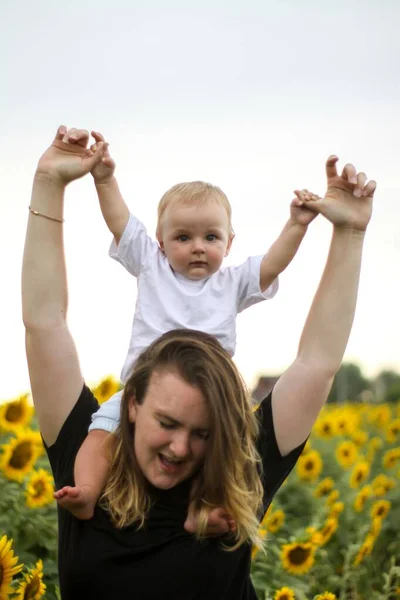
point(299, 212)
point(103, 170)
point(219, 523)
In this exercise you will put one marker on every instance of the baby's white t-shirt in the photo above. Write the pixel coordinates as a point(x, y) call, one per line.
point(167, 300)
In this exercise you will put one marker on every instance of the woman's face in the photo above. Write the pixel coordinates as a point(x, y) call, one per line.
point(171, 430)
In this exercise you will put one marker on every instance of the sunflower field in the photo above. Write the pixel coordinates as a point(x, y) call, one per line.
point(332, 532)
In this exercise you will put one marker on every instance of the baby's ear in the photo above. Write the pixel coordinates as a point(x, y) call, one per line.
point(160, 243)
point(228, 248)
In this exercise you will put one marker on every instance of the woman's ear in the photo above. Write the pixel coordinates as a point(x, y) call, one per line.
point(132, 410)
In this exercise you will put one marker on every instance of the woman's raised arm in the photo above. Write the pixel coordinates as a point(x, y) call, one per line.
point(303, 388)
point(56, 379)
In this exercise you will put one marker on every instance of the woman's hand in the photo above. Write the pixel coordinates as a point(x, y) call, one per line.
point(348, 199)
point(68, 157)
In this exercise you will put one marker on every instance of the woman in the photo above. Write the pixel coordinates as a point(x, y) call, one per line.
point(187, 430)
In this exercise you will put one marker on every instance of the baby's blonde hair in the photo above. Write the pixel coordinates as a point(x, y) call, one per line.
point(192, 192)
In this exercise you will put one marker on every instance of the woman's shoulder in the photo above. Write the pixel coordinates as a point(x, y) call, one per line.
point(74, 430)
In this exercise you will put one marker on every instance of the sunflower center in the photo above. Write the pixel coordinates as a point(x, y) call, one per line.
point(299, 555)
point(359, 476)
point(105, 388)
point(32, 588)
point(309, 465)
point(13, 413)
point(1, 575)
point(39, 489)
point(21, 455)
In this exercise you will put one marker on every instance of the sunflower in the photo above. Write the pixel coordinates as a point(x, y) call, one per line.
point(382, 484)
point(365, 550)
point(376, 527)
point(346, 454)
point(332, 498)
point(362, 496)
point(285, 593)
point(336, 509)
point(15, 414)
point(391, 457)
point(380, 415)
point(342, 425)
point(359, 473)
point(254, 551)
point(266, 516)
point(309, 466)
point(298, 558)
point(314, 536)
point(359, 437)
point(375, 443)
point(324, 487)
point(106, 388)
point(393, 431)
point(326, 596)
point(19, 456)
point(331, 525)
point(8, 566)
point(275, 521)
point(380, 509)
point(325, 427)
point(37, 438)
point(32, 586)
point(39, 489)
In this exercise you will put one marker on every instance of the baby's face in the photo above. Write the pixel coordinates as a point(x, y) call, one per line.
point(195, 238)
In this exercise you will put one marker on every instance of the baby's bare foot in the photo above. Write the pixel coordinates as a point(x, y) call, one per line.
point(219, 523)
point(78, 500)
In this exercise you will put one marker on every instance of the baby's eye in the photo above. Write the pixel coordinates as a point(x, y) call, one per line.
point(183, 238)
point(211, 237)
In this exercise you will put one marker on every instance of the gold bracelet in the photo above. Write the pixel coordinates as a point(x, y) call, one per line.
point(39, 214)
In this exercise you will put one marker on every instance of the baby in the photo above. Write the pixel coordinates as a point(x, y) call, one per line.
point(181, 284)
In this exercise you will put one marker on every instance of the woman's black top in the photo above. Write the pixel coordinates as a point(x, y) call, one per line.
point(98, 561)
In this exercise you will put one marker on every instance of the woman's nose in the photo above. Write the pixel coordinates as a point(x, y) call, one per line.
point(179, 445)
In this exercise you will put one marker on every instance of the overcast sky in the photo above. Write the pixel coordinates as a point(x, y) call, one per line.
point(250, 95)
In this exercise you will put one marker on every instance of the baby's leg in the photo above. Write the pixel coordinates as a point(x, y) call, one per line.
point(90, 472)
point(92, 463)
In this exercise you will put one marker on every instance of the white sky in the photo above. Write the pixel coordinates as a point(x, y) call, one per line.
point(250, 95)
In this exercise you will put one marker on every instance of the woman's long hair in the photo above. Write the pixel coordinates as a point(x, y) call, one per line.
point(230, 475)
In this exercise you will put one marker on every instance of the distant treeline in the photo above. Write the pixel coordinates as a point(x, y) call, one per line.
point(351, 385)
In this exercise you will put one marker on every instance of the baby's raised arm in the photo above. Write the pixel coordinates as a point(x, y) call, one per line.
point(112, 204)
point(285, 247)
